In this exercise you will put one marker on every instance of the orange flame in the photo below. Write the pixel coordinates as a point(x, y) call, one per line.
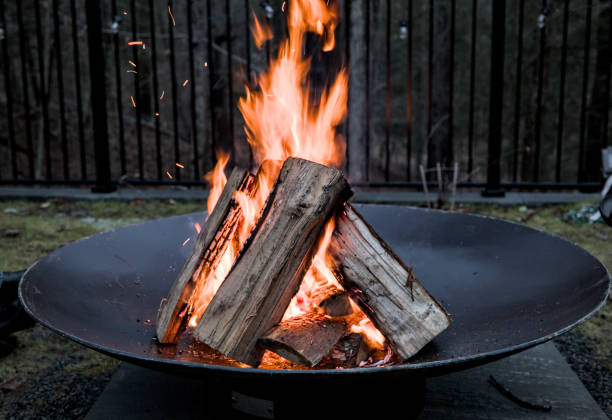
point(261, 33)
point(217, 179)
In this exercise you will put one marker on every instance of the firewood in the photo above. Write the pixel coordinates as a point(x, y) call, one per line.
point(304, 339)
point(337, 304)
point(348, 352)
point(172, 317)
point(386, 290)
point(271, 265)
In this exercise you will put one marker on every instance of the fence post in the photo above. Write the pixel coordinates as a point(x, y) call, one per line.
point(98, 98)
point(496, 101)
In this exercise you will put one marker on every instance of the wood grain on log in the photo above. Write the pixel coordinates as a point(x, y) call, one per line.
point(398, 305)
point(172, 318)
point(304, 339)
point(271, 265)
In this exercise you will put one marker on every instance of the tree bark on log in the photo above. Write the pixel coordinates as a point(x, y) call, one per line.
point(346, 353)
point(172, 318)
point(305, 339)
point(271, 265)
point(386, 290)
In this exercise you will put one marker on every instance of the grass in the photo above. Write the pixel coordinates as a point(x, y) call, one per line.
point(39, 228)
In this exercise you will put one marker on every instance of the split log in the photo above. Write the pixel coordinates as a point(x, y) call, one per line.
point(346, 353)
point(337, 304)
point(172, 317)
point(271, 265)
point(304, 339)
point(384, 288)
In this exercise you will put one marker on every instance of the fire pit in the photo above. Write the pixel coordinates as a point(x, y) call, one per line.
point(507, 287)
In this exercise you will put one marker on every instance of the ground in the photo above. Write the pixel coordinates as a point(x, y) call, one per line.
point(48, 376)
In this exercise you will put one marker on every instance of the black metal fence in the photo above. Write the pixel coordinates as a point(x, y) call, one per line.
point(119, 91)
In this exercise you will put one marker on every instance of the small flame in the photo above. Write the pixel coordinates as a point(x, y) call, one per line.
point(261, 33)
point(217, 179)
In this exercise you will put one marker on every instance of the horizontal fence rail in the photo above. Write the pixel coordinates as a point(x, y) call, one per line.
point(115, 92)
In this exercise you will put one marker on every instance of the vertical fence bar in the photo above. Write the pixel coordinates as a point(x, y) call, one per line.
point(177, 150)
point(77, 81)
point(60, 87)
point(585, 87)
point(430, 52)
point(9, 89)
point(472, 89)
point(194, 122)
point(561, 110)
point(43, 90)
point(247, 43)
point(98, 97)
point(388, 92)
point(409, 97)
point(538, 117)
point(496, 100)
point(347, 60)
point(153, 46)
point(367, 87)
point(451, 75)
point(606, 115)
point(211, 81)
point(517, 93)
point(135, 51)
point(230, 78)
point(24, 88)
point(118, 90)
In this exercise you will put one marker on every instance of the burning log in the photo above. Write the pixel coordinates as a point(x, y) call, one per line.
point(346, 353)
point(268, 271)
point(305, 339)
point(337, 304)
point(172, 318)
point(386, 290)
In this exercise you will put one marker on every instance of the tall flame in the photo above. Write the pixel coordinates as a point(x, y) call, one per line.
point(283, 119)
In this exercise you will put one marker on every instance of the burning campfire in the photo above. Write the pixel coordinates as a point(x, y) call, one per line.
point(283, 263)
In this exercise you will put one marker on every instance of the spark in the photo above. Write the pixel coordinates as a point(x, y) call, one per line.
point(135, 43)
point(172, 17)
point(179, 165)
point(157, 114)
point(185, 82)
point(186, 240)
point(206, 64)
point(132, 63)
point(162, 95)
point(283, 7)
point(197, 227)
point(133, 101)
point(168, 173)
point(132, 71)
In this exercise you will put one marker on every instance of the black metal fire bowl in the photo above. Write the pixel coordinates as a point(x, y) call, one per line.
point(507, 287)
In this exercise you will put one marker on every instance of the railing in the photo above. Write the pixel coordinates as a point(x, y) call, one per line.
point(516, 92)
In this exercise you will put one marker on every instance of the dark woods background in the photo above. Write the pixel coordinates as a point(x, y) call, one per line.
point(420, 90)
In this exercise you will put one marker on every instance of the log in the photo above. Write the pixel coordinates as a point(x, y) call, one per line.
point(337, 304)
point(271, 265)
point(385, 289)
point(172, 317)
point(304, 339)
point(346, 353)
